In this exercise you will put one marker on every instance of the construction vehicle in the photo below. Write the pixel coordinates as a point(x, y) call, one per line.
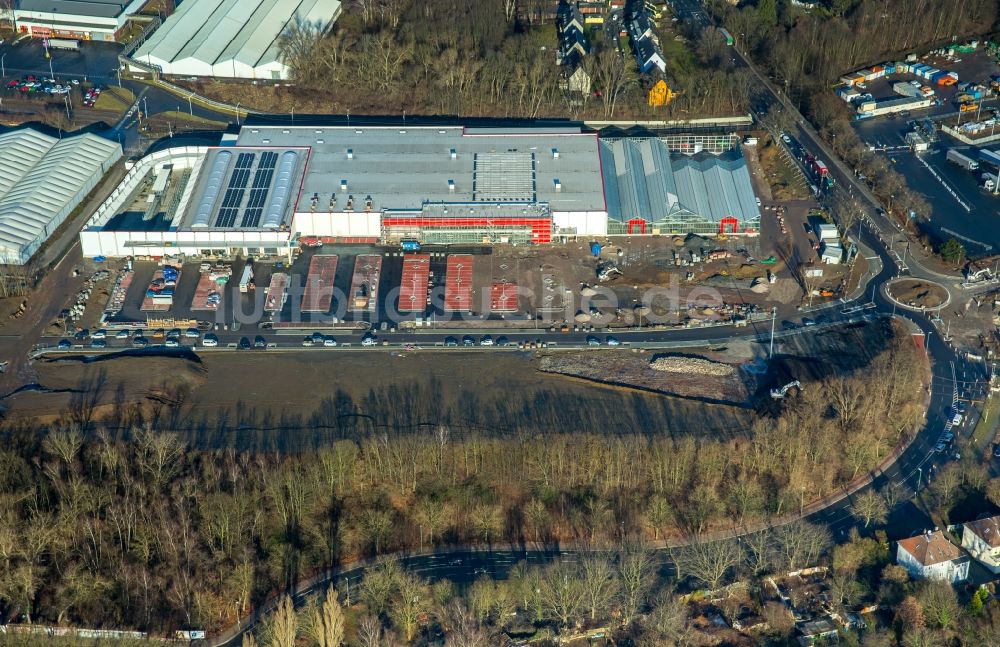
point(975, 276)
point(770, 260)
point(660, 94)
point(779, 394)
point(968, 107)
point(605, 273)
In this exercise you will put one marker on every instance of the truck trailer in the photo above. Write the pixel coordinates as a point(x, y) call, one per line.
point(957, 157)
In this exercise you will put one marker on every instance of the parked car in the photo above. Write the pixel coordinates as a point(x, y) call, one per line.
point(317, 337)
point(613, 341)
point(100, 334)
point(244, 343)
point(996, 450)
point(99, 343)
point(503, 341)
point(329, 342)
point(139, 342)
point(193, 333)
point(468, 340)
point(121, 334)
point(172, 343)
point(259, 342)
point(210, 341)
point(308, 341)
point(486, 341)
point(450, 342)
point(64, 344)
point(368, 340)
point(593, 341)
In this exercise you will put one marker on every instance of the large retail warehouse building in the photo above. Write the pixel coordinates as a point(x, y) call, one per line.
point(102, 20)
point(436, 185)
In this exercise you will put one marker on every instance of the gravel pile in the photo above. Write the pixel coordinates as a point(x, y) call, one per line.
point(691, 366)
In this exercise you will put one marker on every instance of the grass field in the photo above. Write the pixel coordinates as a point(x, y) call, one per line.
point(115, 99)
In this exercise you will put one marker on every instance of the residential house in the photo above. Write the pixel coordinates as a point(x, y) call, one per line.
point(930, 556)
point(982, 540)
point(647, 47)
point(579, 81)
point(573, 47)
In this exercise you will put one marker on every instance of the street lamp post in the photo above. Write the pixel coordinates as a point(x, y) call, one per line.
point(237, 113)
point(3, 69)
point(920, 476)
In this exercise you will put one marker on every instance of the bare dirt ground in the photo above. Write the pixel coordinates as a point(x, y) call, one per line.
point(918, 293)
point(283, 400)
point(785, 181)
point(726, 385)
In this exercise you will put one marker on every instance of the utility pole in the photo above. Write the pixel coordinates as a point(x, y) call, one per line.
point(774, 316)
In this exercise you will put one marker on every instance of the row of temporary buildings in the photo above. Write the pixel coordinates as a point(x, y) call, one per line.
point(934, 75)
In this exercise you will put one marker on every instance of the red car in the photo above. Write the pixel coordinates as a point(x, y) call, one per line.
point(12, 84)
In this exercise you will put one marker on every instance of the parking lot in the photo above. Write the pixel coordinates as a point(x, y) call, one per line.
point(93, 63)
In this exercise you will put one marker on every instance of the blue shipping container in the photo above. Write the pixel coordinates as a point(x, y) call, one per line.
point(410, 245)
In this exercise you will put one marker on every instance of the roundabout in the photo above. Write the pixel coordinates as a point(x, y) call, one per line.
point(917, 294)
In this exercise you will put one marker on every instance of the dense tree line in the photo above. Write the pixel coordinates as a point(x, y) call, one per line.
point(632, 595)
point(493, 58)
point(139, 530)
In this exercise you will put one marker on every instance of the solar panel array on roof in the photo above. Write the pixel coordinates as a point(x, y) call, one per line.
point(258, 191)
point(234, 192)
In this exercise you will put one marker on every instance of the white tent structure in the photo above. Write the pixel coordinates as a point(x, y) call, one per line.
point(42, 180)
point(231, 38)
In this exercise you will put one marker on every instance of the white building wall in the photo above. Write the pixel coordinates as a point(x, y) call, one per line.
point(981, 551)
point(586, 223)
point(942, 571)
point(341, 224)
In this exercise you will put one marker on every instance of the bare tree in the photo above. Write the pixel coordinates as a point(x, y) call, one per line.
point(871, 507)
point(409, 604)
point(636, 568)
point(800, 543)
point(708, 561)
point(370, 632)
point(562, 592)
point(463, 630)
point(600, 582)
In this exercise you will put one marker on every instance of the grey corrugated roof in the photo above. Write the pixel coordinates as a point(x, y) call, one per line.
point(638, 178)
point(402, 168)
point(216, 31)
point(45, 183)
point(716, 187)
point(95, 8)
point(642, 180)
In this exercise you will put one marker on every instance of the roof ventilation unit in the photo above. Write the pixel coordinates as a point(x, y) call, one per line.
point(453, 153)
point(343, 185)
point(555, 153)
point(558, 185)
point(451, 186)
point(350, 153)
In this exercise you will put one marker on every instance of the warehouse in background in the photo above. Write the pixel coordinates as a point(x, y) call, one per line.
point(231, 38)
point(42, 180)
point(101, 20)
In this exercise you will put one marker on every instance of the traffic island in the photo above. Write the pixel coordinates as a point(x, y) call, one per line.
point(918, 295)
